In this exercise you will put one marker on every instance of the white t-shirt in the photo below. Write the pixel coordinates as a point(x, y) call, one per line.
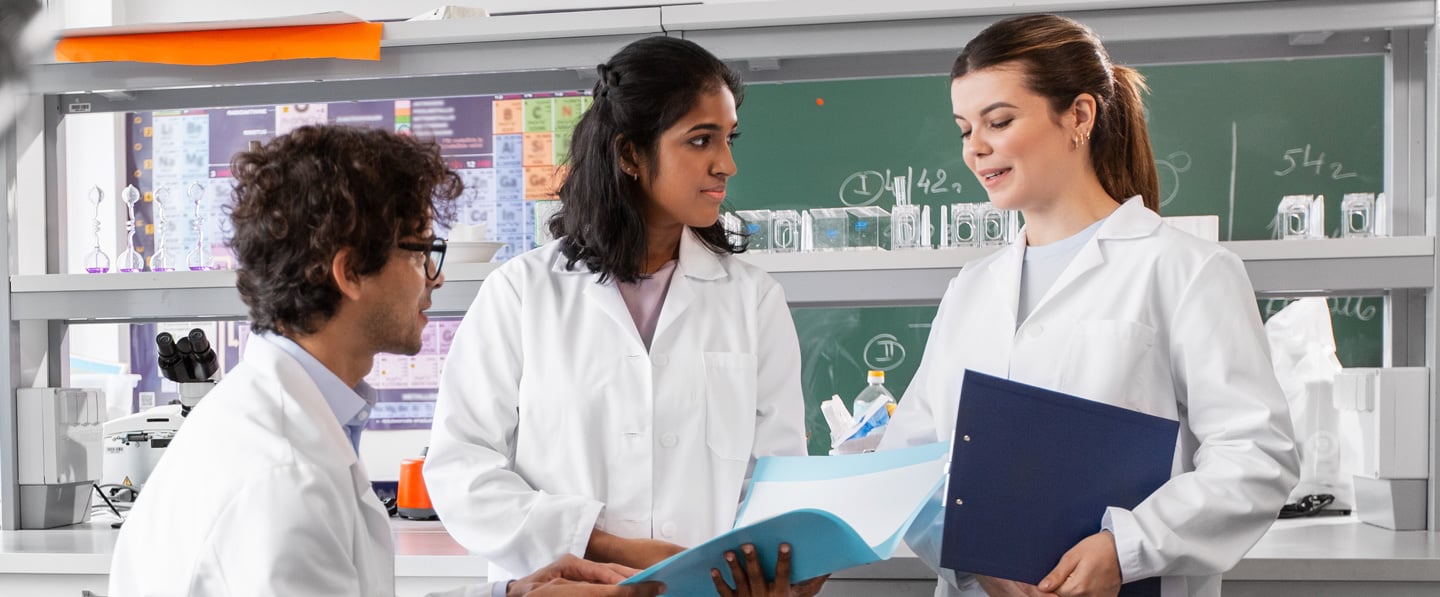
point(1044, 264)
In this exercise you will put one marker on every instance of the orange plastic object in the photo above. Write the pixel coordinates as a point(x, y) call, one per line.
point(354, 41)
point(412, 500)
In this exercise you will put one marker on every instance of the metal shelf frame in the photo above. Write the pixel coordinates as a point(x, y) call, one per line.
point(1332, 267)
point(791, 41)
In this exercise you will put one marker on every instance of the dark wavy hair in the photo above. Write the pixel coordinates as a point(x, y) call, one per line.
point(1062, 59)
point(643, 90)
point(305, 195)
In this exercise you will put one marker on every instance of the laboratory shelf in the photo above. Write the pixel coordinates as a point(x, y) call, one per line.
point(1322, 267)
point(810, 39)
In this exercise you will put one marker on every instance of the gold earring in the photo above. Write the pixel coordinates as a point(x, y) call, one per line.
point(1075, 142)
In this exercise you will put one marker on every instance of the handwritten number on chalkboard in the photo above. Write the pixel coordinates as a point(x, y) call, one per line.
point(855, 190)
point(1337, 170)
point(1317, 163)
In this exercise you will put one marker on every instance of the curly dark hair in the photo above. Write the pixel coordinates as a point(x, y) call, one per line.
point(305, 195)
point(645, 89)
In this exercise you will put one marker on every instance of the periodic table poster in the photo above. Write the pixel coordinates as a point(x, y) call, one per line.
point(510, 151)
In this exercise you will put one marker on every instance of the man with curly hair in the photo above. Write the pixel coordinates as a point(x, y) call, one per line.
point(261, 492)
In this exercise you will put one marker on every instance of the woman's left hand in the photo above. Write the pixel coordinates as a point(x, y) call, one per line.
point(1090, 569)
point(750, 577)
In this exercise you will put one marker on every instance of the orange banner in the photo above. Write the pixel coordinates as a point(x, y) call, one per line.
point(354, 41)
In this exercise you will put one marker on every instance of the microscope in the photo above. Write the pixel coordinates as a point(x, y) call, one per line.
point(135, 443)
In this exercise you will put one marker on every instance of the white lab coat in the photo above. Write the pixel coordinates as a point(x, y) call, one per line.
point(259, 494)
point(1155, 320)
point(554, 420)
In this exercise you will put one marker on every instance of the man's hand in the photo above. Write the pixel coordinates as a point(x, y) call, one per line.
point(1090, 569)
point(573, 576)
point(750, 578)
point(635, 553)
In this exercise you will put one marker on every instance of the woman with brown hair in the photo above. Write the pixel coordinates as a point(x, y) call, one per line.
point(1101, 300)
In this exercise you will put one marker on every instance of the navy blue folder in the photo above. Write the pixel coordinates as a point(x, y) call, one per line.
point(1032, 471)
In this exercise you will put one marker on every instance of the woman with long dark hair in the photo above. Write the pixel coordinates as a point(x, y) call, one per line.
point(608, 394)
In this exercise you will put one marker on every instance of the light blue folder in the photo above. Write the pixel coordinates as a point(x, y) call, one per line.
point(821, 542)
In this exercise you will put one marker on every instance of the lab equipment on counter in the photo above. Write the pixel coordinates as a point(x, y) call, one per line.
point(412, 499)
point(1393, 405)
point(59, 454)
point(134, 444)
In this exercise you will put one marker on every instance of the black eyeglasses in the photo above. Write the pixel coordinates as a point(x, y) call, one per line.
point(434, 255)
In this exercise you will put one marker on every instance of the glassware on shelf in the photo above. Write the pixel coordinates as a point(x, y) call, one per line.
point(198, 259)
point(1359, 216)
point(998, 226)
point(97, 262)
point(829, 227)
point(964, 225)
point(130, 259)
point(785, 231)
point(1301, 216)
point(161, 261)
point(869, 228)
point(756, 225)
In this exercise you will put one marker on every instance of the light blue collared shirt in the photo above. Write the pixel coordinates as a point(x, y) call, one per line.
point(350, 405)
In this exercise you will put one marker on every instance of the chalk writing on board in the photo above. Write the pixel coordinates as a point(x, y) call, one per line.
point(1172, 167)
point(867, 186)
point(1335, 169)
point(1350, 307)
point(884, 352)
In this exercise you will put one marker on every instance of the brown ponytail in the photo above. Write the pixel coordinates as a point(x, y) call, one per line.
point(1121, 150)
point(1062, 59)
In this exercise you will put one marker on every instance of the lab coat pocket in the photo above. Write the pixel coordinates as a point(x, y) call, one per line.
point(1107, 360)
point(730, 403)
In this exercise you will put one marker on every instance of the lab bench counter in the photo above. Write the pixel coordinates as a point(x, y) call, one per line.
point(1314, 557)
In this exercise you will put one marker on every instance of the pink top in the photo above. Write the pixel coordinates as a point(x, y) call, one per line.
point(645, 297)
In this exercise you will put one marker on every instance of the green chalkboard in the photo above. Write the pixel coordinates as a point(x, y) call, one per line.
point(1230, 140)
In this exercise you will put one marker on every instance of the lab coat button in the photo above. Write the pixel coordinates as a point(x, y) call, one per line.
point(660, 360)
point(668, 440)
point(667, 530)
point(1036, 330)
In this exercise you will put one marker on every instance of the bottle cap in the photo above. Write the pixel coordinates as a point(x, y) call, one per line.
point(876, 376)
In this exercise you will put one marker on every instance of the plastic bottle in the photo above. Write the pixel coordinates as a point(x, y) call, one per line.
point(874, 392)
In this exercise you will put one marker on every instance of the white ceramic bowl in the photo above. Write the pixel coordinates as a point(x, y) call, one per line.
point(471, 252)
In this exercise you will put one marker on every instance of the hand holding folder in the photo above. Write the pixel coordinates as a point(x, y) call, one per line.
point(836, 512)
point(1033, 470)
